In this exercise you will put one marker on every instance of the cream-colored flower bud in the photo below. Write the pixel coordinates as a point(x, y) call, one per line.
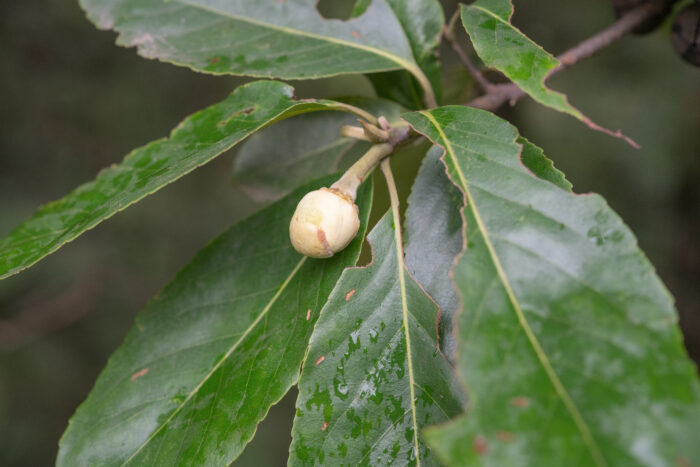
point(324, 223)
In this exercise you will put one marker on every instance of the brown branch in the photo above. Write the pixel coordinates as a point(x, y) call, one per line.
point(449, 34)
point(499, 94)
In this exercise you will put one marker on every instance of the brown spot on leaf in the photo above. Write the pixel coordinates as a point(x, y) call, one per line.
point(505, 436)
point(356, 34)
point(246, 111)
point(308, 314)
point(520, 402)
point(320, 359)
point(480, 446)
point(682, 462)
point(349, 295)
point(325, 425)
point(215, 60)
point(138, 374)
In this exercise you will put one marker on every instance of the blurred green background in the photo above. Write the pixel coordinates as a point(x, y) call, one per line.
point(71, 102)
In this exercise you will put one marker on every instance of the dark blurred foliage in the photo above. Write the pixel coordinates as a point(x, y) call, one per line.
point(72, 102)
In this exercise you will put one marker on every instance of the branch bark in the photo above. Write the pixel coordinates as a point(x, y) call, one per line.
point(499, 94)
point(449, 33)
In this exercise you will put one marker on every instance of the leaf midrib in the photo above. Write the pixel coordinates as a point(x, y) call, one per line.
point(71, 233)
point(398, 240)
point(245, 334)
point(561, 391)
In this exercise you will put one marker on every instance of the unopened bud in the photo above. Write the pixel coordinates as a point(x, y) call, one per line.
point(324, 223)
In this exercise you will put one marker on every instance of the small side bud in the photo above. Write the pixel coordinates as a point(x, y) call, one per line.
point(324, 223)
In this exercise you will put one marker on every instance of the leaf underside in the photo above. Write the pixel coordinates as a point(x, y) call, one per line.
point(265, 38)
point(213, 351)
point(568, 342)
point(194, 142)
point(354, 405)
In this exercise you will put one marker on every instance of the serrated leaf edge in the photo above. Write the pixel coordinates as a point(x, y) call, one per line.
point(228, 353)
point(297, 108)
point(568, 109)
point(412, 68)
point(561, 391)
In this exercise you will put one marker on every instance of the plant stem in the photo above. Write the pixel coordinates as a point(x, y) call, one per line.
point(352, 178)
point(607, 36)
point(496, 96)
point(499, 94)
point(354, 132)
point(374, 133)
point(354, 110)
point(463, 56)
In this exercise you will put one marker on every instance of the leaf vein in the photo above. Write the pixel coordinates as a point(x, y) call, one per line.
point(561, 391)
point(248, 330)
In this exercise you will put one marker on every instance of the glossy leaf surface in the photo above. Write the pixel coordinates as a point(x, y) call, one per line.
point(355, 405)
point(264, 38)
point(502, 46)
point(195, 141)
point(433, 217)
point(568, 342)
point(274, 161)
point(213, 351)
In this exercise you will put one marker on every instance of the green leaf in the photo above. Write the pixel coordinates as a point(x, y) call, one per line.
point(398, 86)
point(271, 163)
point(568, 342)
point(433, 218)
point(194, 142)
point(360, 7)
point(422, 20)
point(211, 353)
point(502, 46)
point(534, 159)
point(265, 38)
point(370, 383)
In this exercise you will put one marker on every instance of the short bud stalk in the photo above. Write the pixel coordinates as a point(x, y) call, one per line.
point(327, 220)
